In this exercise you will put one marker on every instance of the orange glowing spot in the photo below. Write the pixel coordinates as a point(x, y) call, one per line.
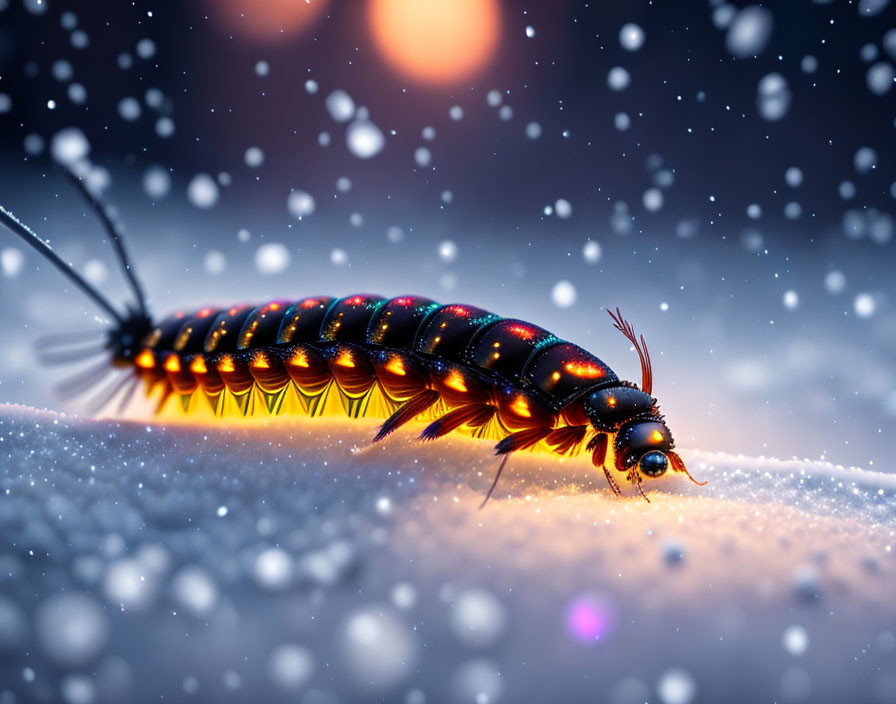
point(274, 306)
point(355, 301)
point(436, 41)
point(656, 436)
point(496, 355)
point(520, 407)
point(204, 313)
point(555, 376)
point(231, 313)
point(260, 362)
point(455, 381)
point(396, 366)
point(611, 401)
point(459, 311)
point(299, 359)
point(172, 364)
point(197, 366)
point(403, 301)
point(309, 303)
point(585, 371)
point(345, 360)
point(146, 360)
point(225, 364)
point(522, 331)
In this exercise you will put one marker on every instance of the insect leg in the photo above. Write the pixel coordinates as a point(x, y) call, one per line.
point(679, 466)
point(409, 410)
point(513, 442)
point(473, 414)
point(598, 446)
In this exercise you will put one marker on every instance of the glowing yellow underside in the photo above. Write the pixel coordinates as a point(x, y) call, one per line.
point(290, 402)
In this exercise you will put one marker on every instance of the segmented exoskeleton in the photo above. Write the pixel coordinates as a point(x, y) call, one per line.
point(402, 359)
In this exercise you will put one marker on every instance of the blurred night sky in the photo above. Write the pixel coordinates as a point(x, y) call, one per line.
point(733, 165)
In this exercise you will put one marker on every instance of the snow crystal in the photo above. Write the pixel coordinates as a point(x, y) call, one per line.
point(164, 127)
point(193, 588)
point(62, 70)
point(422, 156)
point(791, 300)
point(864, 160)
point(533, 130)
point(262, 68)
point(202, 191)
point(447, 197)
point(69, 145)
point(631, 36)
point(154, 98)
point(773, 97)
point(591, 252)
point(36, 7)
point(793, 177)
point(72, 629)
point(300, 204)
point(447, 251)
point(478, 681)
point(795, 640)
point(869, 8)
point(78, 689)
point(323, 139)
point(563, 208)
point(428, 133)
point(880, 77)
point(291, 666)
point(215, 262)
point(618, 78)
point(563, 294)
point(129, 109)
point(456, 113)
point(403, 596)
point(128, 584)
point(79, 39)
point(254, 157)
point(505, 113)
point(754, 211)
point(493, 98)
point(364, 139)
point(676, 686)
point(272, 258)
point(77, 93)
point(355, 220)
point(156, 182)
point(338, 257)
point(652, 199)
point(835, 282)
point(343, 184)
point(749, 32)
point(33, 144)
point(96, 271)
point(379, 647)
point(865, 305)
point(146, 48)
point(11, 261)
point(846, 189)
point(622, 121)
point(530, 31)
point(339, 104)
point(478, 618)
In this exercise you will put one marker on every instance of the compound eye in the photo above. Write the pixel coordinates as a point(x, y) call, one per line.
point(654, 464)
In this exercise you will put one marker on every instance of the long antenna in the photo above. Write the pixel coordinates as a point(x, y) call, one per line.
point(23, 231)
point(113, 231)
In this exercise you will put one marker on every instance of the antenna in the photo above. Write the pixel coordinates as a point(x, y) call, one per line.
point(23, 231)
point(113, 232)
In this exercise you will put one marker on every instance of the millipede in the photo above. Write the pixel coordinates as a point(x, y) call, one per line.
point(401, 359)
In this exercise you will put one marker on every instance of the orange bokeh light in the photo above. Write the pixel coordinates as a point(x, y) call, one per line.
point(436, 41)
point(266, 20)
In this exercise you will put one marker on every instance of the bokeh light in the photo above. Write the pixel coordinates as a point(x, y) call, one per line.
point(431, 41)
point(590, 617)
point(266, 20)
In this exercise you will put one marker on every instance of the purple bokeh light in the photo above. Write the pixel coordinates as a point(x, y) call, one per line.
point(590, 618)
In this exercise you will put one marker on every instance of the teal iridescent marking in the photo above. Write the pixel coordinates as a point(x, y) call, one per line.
point(545, 341)
point(485, 320)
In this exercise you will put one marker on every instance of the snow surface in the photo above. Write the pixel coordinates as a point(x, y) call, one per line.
point(294, 562)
